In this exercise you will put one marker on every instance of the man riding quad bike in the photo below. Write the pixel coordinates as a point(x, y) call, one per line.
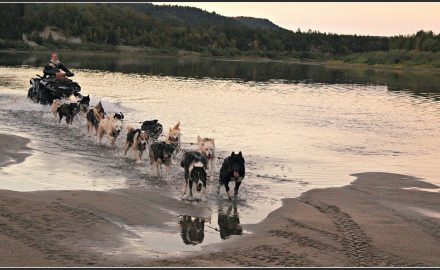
point(54, 84)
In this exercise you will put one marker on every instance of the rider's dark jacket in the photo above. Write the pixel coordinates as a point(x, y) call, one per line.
point(50, 69)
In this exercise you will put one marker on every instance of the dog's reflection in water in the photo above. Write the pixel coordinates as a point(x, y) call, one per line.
point(192, 229)
point(229, 222)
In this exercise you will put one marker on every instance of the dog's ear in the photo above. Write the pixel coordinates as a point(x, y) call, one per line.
point(155, 121)
point(232, 154)
point(213, 141)
point(198, 139)
point(122, 115)
point(240, 154)
point(177, 126)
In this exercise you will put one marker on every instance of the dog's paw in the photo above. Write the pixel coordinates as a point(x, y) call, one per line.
point(230, 195)
point(140, 162)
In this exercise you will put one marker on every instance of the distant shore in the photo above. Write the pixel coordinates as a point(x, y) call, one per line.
point(331, 63)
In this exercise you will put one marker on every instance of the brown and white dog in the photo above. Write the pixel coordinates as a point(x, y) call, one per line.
point(112, 126)
point(94, 116)
point(160, 154)
point(206, 147)
point(137, 140)
point(173, 138)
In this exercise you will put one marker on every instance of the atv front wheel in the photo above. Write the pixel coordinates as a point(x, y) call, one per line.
point(33, 95)
point(45, 96)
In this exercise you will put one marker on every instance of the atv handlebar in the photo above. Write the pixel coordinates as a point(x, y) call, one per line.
point(70, 74)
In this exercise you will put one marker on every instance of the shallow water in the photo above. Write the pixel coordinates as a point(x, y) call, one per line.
point(295, 136)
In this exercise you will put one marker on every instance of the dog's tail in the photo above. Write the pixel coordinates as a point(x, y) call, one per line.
point(130, 129)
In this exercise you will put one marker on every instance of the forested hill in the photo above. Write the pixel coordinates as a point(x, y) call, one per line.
point(176, 28)
point(257, 23)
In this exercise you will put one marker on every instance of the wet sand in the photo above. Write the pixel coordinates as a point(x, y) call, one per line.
point(11, 149)
point(372, 222)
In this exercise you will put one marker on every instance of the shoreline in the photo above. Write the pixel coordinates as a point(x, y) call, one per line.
point(331, 63)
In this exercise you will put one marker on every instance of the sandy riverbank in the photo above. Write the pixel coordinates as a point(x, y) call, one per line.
point(372, 222)
point(375, 221)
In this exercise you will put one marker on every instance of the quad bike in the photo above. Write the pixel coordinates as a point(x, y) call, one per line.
point(45, 89)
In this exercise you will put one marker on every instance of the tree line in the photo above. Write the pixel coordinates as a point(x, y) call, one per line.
point(191, 29)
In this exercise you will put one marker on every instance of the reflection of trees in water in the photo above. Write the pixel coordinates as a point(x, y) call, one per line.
point(229, 222)
point(418, 83)
point(192, 229)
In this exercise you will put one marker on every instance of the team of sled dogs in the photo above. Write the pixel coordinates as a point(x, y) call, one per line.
point(162, 148)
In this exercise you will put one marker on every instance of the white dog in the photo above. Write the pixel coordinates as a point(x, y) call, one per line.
point(207, 148)
point(112, 126)
point(56, 103)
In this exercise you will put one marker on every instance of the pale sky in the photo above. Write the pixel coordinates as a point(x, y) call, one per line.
point(384, 19)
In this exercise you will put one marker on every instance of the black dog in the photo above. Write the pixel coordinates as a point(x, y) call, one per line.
point(232, 169)
point(91, 119)
point(160, 153)
point(153, 129)
point(194, 164)
point(84, 104)
point(69, 111)
point(137, 140)
point(192, 230)
point(229, 222)
point(94, 116)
